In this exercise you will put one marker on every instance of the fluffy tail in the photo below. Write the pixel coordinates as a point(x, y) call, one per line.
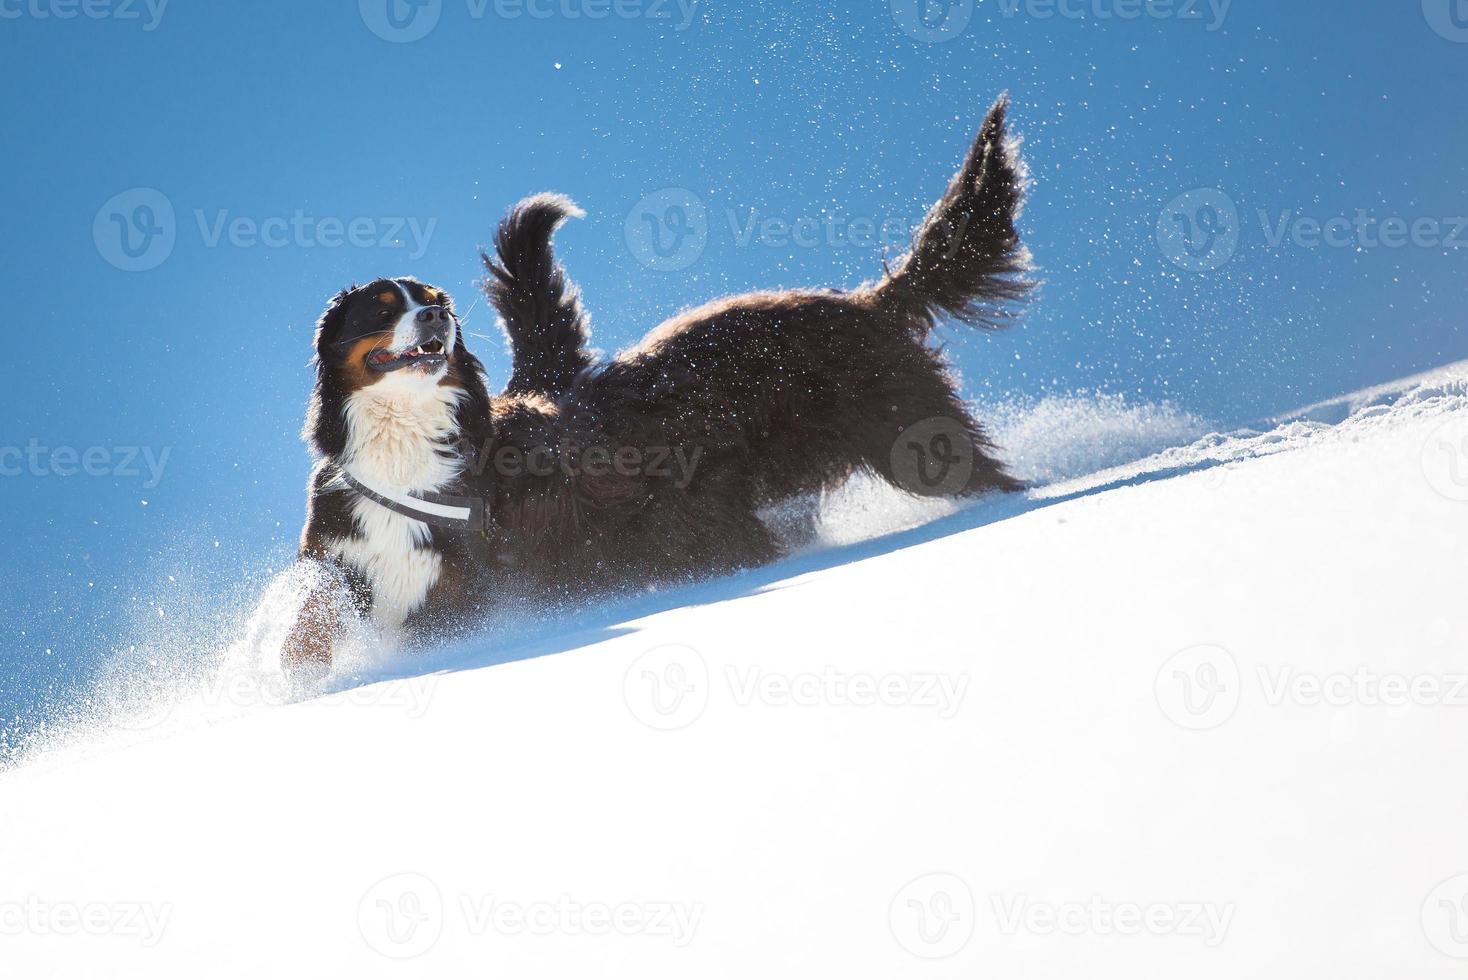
point(539, 306)
point(966, 260)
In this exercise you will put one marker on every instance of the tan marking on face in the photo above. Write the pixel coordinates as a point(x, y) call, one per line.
point(389, 298)
point(360, 376)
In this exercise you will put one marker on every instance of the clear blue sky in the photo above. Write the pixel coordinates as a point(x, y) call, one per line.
point(303, 146)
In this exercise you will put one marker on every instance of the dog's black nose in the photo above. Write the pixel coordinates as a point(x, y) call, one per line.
point(432, 315)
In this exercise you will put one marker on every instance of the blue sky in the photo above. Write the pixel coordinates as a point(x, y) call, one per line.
point(1238, 207)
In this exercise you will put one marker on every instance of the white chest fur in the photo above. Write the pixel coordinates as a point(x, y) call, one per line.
point(396, 432)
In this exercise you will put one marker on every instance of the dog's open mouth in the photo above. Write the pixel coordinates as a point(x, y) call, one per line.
point(429, 355)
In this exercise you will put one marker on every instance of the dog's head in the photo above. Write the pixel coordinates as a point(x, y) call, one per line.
point(392, 327)
point(400, 334)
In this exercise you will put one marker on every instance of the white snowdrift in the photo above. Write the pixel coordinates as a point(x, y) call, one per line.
point(1202, 715)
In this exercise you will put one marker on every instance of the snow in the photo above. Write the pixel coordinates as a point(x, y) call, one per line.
point(1194, 709)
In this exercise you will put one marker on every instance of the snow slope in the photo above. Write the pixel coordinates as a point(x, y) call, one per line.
point(1202, 715)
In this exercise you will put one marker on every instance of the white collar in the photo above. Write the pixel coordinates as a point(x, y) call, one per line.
point(440, 510)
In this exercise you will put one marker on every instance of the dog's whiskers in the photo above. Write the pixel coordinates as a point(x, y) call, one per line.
point(462, 320)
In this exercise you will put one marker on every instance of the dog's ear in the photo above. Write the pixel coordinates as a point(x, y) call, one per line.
point(325, 429)
point(330, 323)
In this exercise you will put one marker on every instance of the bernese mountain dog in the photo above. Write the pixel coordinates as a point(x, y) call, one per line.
point(433, 501)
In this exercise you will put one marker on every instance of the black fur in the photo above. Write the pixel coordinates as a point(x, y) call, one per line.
point(776, 394)
point(540, 309)
point(967, 261)
point(747, 402)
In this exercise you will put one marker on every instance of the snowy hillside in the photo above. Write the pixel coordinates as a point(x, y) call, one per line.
point(1202, 715)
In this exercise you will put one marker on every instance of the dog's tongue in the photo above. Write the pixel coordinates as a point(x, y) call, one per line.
point(382, 357)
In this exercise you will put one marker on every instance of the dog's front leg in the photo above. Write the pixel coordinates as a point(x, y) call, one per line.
point(307, 650)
